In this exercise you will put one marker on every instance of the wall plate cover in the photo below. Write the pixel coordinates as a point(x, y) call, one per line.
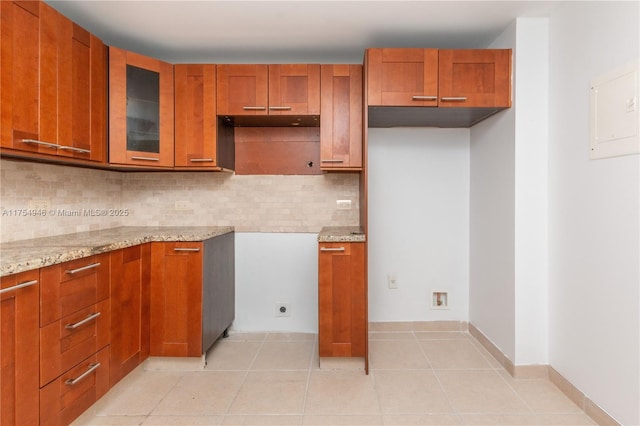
point(614, 113)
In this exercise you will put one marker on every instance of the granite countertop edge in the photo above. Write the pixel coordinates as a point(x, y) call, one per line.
point(26, 255)
point(342, 234)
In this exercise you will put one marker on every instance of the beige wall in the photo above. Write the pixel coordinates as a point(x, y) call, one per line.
point(250, 203)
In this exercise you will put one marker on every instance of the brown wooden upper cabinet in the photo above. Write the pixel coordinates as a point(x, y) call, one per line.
point(53, 83)
point(474, 78)
point(402, 77)
point(284, 89)
point(141, 107)
point(82, 93)
point(456, 78)
point(195, 116)
point(341, 117)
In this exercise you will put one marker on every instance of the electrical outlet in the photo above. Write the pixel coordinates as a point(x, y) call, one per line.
point(40, 203)
point(343, 204)
point(283, 310)
point(183, 205)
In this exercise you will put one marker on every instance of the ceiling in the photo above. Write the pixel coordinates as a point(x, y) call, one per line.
point(264, 31)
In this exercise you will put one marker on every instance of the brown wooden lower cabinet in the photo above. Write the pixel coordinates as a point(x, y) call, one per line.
point(176, 299)
point(71, 331)
point(64, 399)
point(192, 295)
point(341, 300)
point(130, 278)
point(19, 349)
point(66, 342)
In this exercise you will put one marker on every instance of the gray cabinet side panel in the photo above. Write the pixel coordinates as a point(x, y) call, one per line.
point(218, 298)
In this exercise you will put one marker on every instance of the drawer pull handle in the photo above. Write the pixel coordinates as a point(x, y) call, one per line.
point(84, 321)
point(18, 286)
point(186, 249)
point(331, 248)
point(135, 157)
point(254, 108)
point(74, 149)
point(453, 98)
point(424, 98)
point(201, 160)
point(92, 367)
point(84, 268)
point(332, 161)
point(280, 108)
point(45, 144)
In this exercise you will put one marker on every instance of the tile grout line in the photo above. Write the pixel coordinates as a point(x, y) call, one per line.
point(310, 369)
point(444, 392)
point(244, 379)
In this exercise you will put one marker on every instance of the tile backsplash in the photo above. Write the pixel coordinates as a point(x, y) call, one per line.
point(38, 200)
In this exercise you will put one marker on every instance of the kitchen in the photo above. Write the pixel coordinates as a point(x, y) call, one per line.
point(310, 203)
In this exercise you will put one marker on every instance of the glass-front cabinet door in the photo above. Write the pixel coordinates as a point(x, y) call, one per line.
point(140, 110)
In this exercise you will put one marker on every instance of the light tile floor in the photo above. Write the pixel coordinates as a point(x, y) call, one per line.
point(416, 378)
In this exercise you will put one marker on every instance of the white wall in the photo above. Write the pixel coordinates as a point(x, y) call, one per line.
point(418, 222)
point(492, 224)
point(276, 268)
point(594, 215)
point(508, 255)
point(531, 238)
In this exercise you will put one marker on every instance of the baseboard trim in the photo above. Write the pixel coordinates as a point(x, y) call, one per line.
point(590, 408)
point(418, 326)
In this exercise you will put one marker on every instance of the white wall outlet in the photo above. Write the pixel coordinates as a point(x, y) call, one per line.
point(40, 203)
point(182, 205)
point(283, 310)
point(392, 282)
point(439, 300)
point(343, 204)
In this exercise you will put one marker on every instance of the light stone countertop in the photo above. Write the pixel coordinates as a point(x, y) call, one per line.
point(26, 255)
point(341, 234)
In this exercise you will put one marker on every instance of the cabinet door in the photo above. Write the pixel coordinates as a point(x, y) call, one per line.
point(176, 299)
point(402, 77)
point(19, 348)
point(475, 78)
point(81, 93)
point(341, 112)
point(28, 77)
point(130, 275)
point(341, 300)
point(53, 84)
point(294, 89)
point(242, 89)
point(140, 110)
point(195, 116)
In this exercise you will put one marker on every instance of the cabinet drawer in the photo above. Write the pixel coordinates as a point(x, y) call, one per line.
point(64, 399)
point(71, 286)
point(66, 342)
